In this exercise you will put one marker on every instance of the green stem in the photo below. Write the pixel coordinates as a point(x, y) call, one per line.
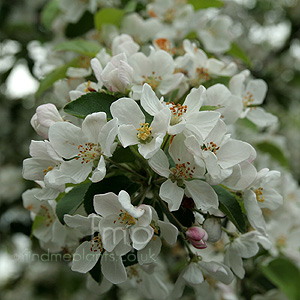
point(169, 214)
point(126, 169)
point(166, 142)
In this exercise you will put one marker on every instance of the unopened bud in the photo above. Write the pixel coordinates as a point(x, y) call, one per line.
point(213, 229)
point(197, 236)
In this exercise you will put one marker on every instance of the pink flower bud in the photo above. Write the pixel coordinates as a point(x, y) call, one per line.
point(197, 236)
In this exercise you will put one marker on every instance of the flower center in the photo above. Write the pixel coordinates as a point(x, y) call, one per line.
point(126, 219)
point(153, 81)
point(177, 111)
point(169, 15)
point(281, 241)
point(248, 100)
point(50, 168)
point(210, 147)
point(133, 273)
point(45, 212)
point(88, 152)
point(89, 88)
point(182, 172)
point(144, 133)
point(202, 75)
point(259, 194)
point(97, 244)
point(163, 44)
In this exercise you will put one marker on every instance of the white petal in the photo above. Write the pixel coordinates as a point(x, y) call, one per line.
point(97, 68)
point(202, 123)
point(86, 225)
point(100, 172)
point(203, 194)
point(217, 270)
point(160, 163)
point(125, 201)
point(149, 100)
point(47, 114)
point(172, 194)
point(140, 236)
point(170, 83)
point(194, 100)
point(235, 262)
point(163, 63)
point(127, 112)
point(84, 259)
point(168, 231)
point(73, 171)
point(149, 254)
point(112, 232)
point(112, 268)
point(128, 135)
point(233, 152)
point(254, 213)
point(107, 204)
point(193, 274)
point(92, 124)
point(107, 137)
point(65, 139)
point(261, 118)
point(258, 89)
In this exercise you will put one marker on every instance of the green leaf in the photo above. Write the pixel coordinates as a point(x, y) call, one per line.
point(130, 6)
point(123, 155)
point(49, 13)
point(247, 123)
point(284, 274)
point(108, 16)
point(236, 51)
point(37, 221)
point(218, 80)
point(90, 103)
point(191, 35)
point(53, 76)
point(112, 184)
point(85, 24)
point(79, 46)
point(229, 205)
point(201, 4)
point(69, 203)
point(275, 152)
point(209, 107)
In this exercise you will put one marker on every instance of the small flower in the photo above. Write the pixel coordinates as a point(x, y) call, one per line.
point(197, 236)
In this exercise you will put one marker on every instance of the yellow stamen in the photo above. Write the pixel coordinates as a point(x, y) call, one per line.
point(144, 133)
point(259, 194)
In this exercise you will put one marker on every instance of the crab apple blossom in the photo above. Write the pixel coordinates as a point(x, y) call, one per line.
point(152, 185)
point(90, 252)
point(219, 152)
point(184, 117)
point(157, 70)
point(83, 148)
point(185, 178)
point(133, 129)
point(123, 223)
point(252, 93)
point(199, 68)
point(261, 193)
point(52, 235)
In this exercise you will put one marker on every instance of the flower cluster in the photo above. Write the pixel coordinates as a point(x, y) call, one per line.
point(144, 159)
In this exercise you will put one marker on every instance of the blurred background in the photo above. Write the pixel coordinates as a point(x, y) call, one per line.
point(268, 31)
